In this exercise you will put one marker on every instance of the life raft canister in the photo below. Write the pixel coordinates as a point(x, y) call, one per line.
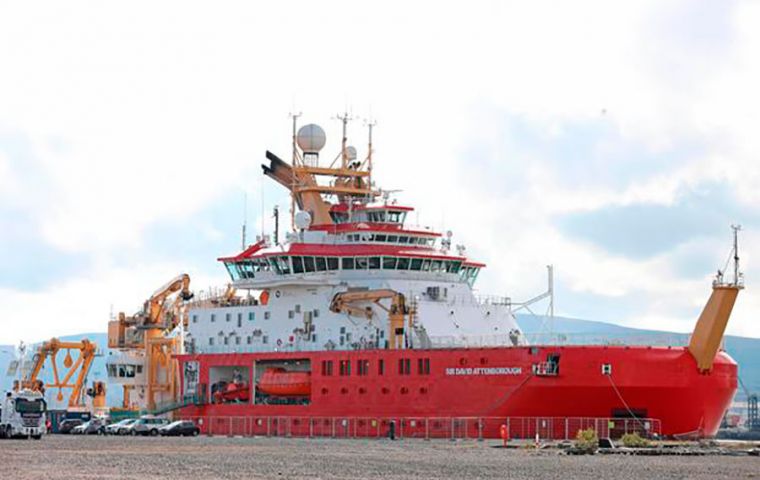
point(264, 297)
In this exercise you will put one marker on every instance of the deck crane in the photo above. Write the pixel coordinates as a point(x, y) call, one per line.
point(399, 312)
point(149, 331)
point(71, 374)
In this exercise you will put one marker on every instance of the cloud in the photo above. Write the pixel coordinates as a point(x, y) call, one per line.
point(641, 230)
point(129, 132)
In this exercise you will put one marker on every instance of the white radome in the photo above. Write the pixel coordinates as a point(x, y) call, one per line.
point(303, 220)
point(351, 153)
point(311, 138)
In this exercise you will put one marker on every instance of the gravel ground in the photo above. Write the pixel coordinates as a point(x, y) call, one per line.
point(67, 457)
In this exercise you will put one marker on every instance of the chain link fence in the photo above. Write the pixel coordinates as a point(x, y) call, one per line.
point(454, 428)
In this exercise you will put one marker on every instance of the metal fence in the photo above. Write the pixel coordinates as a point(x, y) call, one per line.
point(454, 428)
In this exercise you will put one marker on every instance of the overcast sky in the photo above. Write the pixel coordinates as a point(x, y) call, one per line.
point(615, 140)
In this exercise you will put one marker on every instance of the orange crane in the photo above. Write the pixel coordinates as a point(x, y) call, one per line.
point(70, 374)
point(148, 330)
point(399, 312)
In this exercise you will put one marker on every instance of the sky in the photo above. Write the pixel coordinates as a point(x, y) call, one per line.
point(616, 141)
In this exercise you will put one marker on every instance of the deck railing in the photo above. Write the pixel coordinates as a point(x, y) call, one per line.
point(453, 428)
point(610, 339)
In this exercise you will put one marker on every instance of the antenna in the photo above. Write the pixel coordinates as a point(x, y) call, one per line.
point(245, 218)
point(370, 123)
point(294, 116)
point(343, 153)
point(276, 215)
point(736, 229)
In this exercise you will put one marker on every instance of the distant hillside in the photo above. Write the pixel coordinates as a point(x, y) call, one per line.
point(746, 351)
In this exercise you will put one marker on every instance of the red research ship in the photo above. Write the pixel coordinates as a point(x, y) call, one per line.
point(359, 316)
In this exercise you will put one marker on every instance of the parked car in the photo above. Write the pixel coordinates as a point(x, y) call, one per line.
point(115, 428)
point(68, 424)
point(146, 426)
point(95, 426)
point(181, 428)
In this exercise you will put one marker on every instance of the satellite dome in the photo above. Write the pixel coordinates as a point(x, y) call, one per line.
point(351, 153)
point(311, 138)
point(303, 219)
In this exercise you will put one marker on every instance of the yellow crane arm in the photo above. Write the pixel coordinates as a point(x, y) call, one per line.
point(155, 305)
point(707, 337)
point(344, 303)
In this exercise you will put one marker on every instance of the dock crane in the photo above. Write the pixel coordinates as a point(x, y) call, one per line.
point(399, 312)
point(753, 418)
point(71, 374)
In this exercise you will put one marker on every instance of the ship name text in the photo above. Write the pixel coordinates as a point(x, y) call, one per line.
point(485, 371)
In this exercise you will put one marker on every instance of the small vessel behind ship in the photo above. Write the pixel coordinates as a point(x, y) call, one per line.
point(358, 315)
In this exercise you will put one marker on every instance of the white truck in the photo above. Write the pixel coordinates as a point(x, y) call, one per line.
point(23, 414)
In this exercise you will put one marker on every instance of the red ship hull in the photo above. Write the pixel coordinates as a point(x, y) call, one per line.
point(659, 383)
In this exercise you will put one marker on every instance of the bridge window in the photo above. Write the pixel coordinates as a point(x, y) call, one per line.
point(297, 264)
point(232, 270)
point(415, 264)
point(348, 263)
point(389, 263)
point(320, 264)
point(332, 263)
point(308, 264)
point(403, 264)
point(374, 263)
point(284, 265)
point(361, 263)
point(273, 265)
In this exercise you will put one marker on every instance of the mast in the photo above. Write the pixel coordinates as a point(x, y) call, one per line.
point(344, 141)
point(294, 161)
point(370, 124)
point(736, 229)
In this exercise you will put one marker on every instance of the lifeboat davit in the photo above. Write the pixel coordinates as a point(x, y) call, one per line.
point(282, 383)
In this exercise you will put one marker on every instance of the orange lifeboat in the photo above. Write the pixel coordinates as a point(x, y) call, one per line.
point(232, 392)
point(282, 383)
